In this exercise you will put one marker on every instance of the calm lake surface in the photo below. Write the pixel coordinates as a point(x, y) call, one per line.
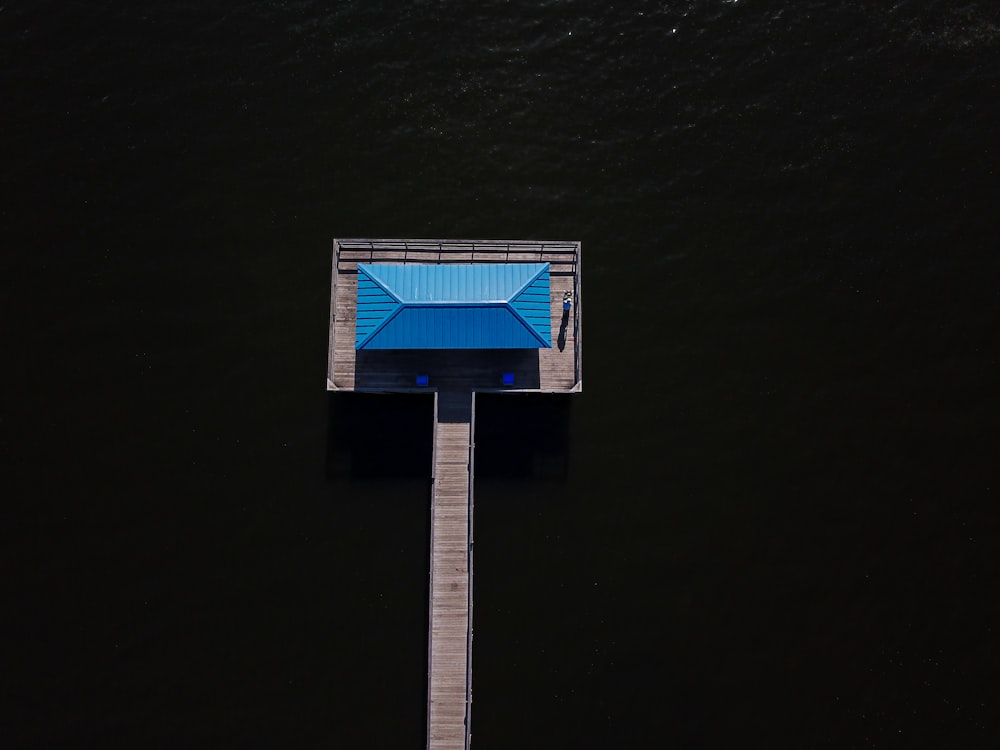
point(771, 518)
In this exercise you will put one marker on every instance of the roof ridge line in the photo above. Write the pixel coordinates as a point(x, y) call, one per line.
point(379, 282)
point(516, 312)
point(363, 268)
point(375, 331)
point(532, 280)
point(531, 329)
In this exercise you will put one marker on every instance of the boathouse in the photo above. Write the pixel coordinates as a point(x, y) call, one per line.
point(452, 318)
point(456, 306)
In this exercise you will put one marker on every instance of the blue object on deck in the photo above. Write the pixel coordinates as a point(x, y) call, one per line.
point(422, 380)
point(508, 378)
point(453, 306)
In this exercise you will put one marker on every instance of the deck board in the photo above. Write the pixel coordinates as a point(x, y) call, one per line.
point(454, 376)
point(554, 370)
point(449, 647)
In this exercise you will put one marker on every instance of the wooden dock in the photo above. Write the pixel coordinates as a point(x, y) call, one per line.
point(555, 370)
point(454, 377)
point(449, 681)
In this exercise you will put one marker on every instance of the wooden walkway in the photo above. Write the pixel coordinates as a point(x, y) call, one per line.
point(449, 680)
point(454, 376)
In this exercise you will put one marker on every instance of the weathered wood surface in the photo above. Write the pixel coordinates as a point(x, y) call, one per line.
point(456, 375)
point(450, 638)
point(342, 352)
point(555, 370)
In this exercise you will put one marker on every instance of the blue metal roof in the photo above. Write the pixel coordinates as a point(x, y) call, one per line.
point(453, 306)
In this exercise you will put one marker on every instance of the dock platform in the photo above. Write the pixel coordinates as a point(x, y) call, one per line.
point(454, 376)
point(449, 649)
point(555, 370)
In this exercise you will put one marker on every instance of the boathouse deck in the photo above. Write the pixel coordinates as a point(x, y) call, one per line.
point(454, 376)
point(555, 370)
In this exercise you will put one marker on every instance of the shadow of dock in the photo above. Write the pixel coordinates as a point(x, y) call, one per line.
point(522, 436)
point(390, 436)
point(379, 436)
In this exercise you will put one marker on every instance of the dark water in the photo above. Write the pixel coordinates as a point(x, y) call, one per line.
point(770, 521)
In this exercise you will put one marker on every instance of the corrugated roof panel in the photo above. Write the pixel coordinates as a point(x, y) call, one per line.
point(453, 282)
point(375, 305)
point(453, 327)
point(454, 306)
point(534, 304)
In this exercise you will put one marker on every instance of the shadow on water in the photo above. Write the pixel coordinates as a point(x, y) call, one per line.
point(522, 436)
point(378, 436)
point(390, 436)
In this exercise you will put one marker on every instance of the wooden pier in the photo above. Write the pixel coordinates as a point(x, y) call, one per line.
point(449, 649)
point(454, 377)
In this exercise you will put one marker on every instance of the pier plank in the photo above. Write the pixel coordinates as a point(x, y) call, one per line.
point(449, 693)
point(454, 377)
